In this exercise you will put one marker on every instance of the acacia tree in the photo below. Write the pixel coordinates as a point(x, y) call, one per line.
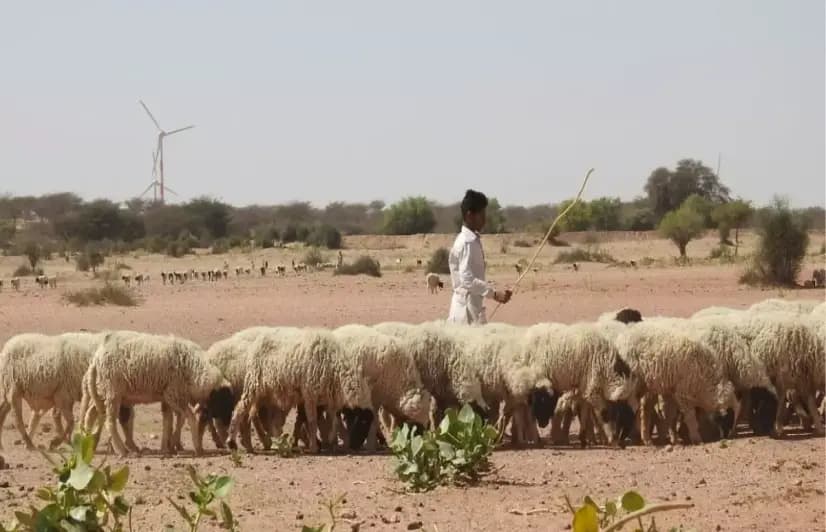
point(731, 215)
point(409, 216)
point(681, 227)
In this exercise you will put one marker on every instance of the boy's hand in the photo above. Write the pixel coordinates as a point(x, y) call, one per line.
point(502, 296)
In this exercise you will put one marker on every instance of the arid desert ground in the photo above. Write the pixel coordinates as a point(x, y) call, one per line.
point(745, 484)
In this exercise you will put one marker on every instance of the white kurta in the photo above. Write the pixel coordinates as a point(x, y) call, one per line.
point(467, 275)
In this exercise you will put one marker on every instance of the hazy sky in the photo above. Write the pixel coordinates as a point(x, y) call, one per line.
point(360, 100)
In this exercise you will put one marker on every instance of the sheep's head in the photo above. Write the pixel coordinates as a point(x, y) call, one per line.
point(219, 405)
point(763, 411)
point(543, 402)
point(415, 405)
point(358, 421)
point(628, 315)
point(621, 418)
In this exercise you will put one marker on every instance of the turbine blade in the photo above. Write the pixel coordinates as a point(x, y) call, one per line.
point(170, 190)
point(145, 108)
point(178, 130)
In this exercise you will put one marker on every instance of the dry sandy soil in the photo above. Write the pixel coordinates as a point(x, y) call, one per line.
point(752, 484)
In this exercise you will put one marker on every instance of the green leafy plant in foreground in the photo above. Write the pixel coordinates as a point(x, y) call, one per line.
point(86, 498)
point(207, 490)
point(629, 509)
point(457, 451)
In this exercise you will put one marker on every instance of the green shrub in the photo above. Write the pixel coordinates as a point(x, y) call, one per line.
point(207, 490)
point(108, 294)
point(409, 216)
point(682, 226)
point(781, 249)
point(588, 254)
point(457, 451)
point(178, 248)
point(86, 497)
point(439, 262)
point(364, 265)
point(721, 252)
point(313, 257)
point(325, 236)
point(33, 252)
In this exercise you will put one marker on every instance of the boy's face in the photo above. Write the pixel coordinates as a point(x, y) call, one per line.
point(475, 220)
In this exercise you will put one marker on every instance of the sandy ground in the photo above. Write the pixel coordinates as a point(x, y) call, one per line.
point(752, 484)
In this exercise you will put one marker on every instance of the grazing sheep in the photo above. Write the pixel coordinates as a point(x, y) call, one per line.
point(390, 370)
point(449, 377)
point(671, 364)
point(300, 367)
point(579, 357)
point(819, 277)
point(47, 372)
point(230, 357)
point(507, 380)
point(52, 281)
point(134, 368)
point(15, 283)
point(42, 281)
point(434, 283)
point(791, 348)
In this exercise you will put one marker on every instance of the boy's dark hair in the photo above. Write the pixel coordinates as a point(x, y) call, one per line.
point(473, 202)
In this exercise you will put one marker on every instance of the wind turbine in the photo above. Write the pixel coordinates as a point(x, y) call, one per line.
point(157, 156)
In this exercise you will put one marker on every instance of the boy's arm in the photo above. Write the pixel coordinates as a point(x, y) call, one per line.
point(473, 285)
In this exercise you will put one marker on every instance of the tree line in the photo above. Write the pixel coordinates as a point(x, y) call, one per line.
point(681, 202)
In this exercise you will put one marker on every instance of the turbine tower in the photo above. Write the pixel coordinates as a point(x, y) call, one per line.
point(157, 157)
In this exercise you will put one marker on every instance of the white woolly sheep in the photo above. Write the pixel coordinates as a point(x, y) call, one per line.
point(230, 356)
point(579, 357)
point(394, 381)
point(791, 349)
point(300, 367)
point(449, 377)
point(671, 364)
point(47, 372)
point(134, 368)
point(507, 380)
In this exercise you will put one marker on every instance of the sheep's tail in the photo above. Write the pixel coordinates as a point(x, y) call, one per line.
point(94, 395)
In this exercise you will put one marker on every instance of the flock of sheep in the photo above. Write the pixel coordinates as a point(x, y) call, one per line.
point(624, 377)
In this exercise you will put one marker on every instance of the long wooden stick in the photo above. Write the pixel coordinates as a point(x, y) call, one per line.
point(654, 508)
point(547, 236)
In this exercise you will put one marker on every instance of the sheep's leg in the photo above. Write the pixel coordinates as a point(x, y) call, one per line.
point(779, 429)
point(277, 420)
point(180, 407)
point(601, 427)
point(218, 437)
point(239, 417)
point(166, 431)
point(63, 408)
point(646, 418)
point(670, 414)
point(17, 405)
point(129, 430)
point(311, 417)
point(177, 444)
point(332, 437)
point(34, 421)
point(811, 406)
point(372, 439)
point(689, 418)
point(5, 408)
point(112, 409)
point(262, 422)
point(585, 424)
point(58, 423)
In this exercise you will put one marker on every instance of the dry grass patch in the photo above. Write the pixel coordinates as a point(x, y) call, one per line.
point(108, 294)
